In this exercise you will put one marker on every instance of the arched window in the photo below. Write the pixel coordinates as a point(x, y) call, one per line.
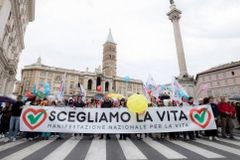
point(98, 81)
point(89, 84)
point(107, 86)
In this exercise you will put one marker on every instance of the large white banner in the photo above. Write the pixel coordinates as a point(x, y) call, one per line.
point(116, 120)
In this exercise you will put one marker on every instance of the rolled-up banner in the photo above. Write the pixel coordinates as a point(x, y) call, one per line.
point(116, 120)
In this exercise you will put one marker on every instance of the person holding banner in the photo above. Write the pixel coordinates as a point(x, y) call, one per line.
point(189, 133)
point(212, 134)
point(123, 104)
point(70, 102)
point(29, 136)
point(173, 135)
point(106, 104)
point(153, 103)
point(59, 104)
point(116, 103)
point(91, 103)
point(15, 119)
point(155, 136)
point(78, 104)
point(45, 135)
point(5, 119)
point(160, 103)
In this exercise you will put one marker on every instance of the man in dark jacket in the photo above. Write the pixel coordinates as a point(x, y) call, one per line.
point(15, 119)
point(212, 134)
point(5, 119)
point(190, 133)
point(79, 103)
point(106, 104)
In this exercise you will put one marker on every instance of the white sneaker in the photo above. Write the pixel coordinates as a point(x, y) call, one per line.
point(14, 139)
point(6, 140)
point(30, 139)
point(3, 136)
point(210, 138)
point(216, 138)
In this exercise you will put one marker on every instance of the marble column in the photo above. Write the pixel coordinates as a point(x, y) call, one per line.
point(174, 16)
point(5, 85)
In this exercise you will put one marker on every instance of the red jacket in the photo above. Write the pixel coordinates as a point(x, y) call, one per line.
point(224, 107)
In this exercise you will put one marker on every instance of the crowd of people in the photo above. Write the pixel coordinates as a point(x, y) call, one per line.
point(224, 113)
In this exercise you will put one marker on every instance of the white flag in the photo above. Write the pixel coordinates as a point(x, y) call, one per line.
point(61, 88)
point(83, 92)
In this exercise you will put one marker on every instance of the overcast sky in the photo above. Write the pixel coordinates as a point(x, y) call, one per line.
point(71, 33)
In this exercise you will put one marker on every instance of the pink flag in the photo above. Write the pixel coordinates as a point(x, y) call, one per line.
point(204, 87)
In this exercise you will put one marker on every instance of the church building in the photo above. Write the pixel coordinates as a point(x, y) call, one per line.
point(104, 80)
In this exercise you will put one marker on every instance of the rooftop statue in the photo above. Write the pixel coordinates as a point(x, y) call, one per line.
point(171, 2)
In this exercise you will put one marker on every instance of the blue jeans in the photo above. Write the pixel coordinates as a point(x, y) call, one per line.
point(14, 126)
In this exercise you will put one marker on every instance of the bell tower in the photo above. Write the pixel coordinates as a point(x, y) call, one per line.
point(109, 57)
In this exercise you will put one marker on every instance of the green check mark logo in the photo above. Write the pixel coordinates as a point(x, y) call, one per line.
point(33, 119)
point(201, 117)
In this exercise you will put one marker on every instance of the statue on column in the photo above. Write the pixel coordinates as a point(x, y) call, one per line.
point(171, 2)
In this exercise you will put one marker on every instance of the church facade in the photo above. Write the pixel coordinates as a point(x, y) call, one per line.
point(104, 80)
point(14, 19)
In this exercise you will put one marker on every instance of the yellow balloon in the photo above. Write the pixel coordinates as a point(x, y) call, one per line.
point(137, 103)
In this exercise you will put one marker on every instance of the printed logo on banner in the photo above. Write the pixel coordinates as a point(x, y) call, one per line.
point(33, 118)
point(201, 117)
